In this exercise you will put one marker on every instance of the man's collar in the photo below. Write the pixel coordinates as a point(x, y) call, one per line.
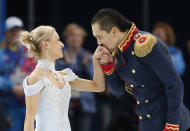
point(127, 40)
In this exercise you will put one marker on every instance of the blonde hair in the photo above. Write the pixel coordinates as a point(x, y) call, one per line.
point(70, 28)
point(32, 40)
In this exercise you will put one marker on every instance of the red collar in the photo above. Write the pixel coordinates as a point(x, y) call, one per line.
point(128, 38)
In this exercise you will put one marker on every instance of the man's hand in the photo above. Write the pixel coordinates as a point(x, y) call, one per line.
point(106, 58)
point(98, 53)
point(103, 55)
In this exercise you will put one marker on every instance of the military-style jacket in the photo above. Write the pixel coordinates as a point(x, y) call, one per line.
point(143, 67)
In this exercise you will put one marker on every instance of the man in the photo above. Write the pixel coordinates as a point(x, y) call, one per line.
point(11, 92)
point(141, 65)
point(166, 33)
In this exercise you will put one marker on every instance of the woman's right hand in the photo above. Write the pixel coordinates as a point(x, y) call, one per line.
point(98, 53)
point(106, 58)
point(103, 55)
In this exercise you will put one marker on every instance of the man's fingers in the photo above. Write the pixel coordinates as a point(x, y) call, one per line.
point(101, 48)
point(104, 62)
point(104, 59)
point(106, 51)
point(99, 54)
point(105, 55)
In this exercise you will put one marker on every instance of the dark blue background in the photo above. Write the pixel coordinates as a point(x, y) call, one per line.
point(58, 13)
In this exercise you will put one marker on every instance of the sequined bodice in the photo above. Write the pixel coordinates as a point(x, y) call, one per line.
point(55, 101)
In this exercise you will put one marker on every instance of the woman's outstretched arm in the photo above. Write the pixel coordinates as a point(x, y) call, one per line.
point(98, 82)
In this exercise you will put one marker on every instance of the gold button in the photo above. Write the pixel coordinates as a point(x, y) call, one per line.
point(133, 71)
point(131, 85)
point(148, 116)
point(138, 102)
point(132, 52)
point(140, 117)
point(146, 101)
point(143, 86)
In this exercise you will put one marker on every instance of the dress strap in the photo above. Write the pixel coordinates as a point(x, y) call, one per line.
point(31, 90)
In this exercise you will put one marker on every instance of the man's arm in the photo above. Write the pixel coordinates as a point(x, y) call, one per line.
point(112, 78)
point(114, 83)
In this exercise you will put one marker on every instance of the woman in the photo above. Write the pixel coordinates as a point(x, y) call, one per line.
point(166, 33)
point(48, 91)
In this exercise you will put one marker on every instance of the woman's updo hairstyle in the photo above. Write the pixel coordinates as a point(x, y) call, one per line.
point(32, 40)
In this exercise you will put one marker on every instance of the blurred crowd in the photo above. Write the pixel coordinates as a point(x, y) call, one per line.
point(88, 111)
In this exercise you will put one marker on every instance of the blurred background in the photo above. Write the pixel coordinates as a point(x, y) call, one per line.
point(169, 20)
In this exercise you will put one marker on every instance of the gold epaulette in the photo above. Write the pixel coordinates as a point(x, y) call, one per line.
point(144, 44)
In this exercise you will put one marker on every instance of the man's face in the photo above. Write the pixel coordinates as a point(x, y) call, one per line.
point(108, 40)
point(12, 37)
point(76, 39)
point(159, 31)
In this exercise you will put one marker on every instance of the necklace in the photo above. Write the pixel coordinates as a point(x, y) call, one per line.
point(45, 64)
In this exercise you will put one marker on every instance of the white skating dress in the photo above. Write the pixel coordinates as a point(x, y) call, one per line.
point(52, 113)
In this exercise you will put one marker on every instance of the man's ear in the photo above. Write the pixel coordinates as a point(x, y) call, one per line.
point(45, 44)
point(115, 30)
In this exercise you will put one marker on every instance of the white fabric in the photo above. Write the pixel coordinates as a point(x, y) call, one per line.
point(12, 22)
point(52, 114)
point(31, 90)
point(48, 65)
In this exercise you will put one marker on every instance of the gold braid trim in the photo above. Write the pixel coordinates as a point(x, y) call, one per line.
point(171, 124)
point(172, 128)
point(109, 72)
point(114, 52)
point(128, 38)
point(144, 45)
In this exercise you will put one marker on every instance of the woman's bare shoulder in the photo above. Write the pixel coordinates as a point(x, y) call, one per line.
point(35, 76)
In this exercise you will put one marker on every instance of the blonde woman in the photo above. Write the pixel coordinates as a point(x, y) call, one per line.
point(47, 91)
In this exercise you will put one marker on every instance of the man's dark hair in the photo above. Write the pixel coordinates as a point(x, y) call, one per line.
point(108, 18)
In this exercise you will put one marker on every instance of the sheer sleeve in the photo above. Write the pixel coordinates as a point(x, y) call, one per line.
point(70, 76)
point(31, 90)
